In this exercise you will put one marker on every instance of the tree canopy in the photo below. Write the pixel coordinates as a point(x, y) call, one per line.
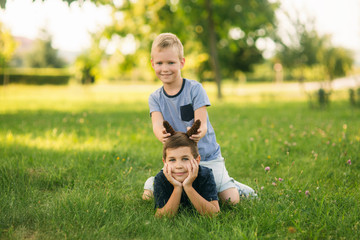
point(308, 48)
point(7, 46)
point(219, 37)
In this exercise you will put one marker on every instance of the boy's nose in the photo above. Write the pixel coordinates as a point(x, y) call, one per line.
point(178, 165)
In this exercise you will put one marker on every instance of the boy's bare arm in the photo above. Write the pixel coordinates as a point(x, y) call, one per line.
point(203, 206)
point(158, 128)
point(172, 206)
point(201, 114)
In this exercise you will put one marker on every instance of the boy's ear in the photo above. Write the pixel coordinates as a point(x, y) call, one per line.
point(163, 160)
point(182, 63)
point(152, 62)
point(198, 159)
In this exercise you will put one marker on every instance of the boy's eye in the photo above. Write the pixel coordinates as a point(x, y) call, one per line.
point(171, 160)
point(185, 159)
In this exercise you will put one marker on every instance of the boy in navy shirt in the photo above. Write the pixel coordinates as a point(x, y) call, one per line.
point(182, 182)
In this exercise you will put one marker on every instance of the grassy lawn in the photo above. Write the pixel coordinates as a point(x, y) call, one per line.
point(73, 161)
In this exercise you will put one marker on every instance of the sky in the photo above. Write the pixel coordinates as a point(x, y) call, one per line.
point(70, 25)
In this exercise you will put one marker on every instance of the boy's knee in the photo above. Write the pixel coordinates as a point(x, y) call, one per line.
point(230, 195)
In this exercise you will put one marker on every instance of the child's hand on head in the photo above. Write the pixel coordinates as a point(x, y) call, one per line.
point(196, 137)
point(165, 135)
point(193, 170)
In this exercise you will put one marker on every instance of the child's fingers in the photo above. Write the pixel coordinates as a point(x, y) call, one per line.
point(165, 137)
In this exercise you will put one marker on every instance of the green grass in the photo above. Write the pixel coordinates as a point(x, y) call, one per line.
point(73, 162)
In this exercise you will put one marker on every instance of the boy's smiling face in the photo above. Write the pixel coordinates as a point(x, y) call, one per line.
point(178, 159)
point(167, 65)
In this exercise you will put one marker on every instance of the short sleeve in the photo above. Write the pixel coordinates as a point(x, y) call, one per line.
point(154, 104)
point(162, 190)
point(199, 97)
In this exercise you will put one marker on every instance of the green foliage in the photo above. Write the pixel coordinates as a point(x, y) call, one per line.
point(43, 55)
point(143, 20)
point(73, 166)
point(262, 73)
point(354, 97)
point(337, 61)
point(7, 46)
point(87, 64)
point(38, 76)
point(308, 50)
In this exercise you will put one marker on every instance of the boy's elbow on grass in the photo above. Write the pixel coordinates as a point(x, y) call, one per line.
point(161, 212)
point(215, 210)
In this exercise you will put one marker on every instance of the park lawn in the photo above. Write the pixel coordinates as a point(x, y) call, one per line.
point(73, 161)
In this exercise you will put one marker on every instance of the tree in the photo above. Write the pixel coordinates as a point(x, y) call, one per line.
point(43, 54)
point(306, 48)
point(338, 61)
point(219, 36)
point(87, 63)
point(7, 49)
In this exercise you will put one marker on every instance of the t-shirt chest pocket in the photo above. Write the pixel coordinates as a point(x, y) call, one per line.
point(187, 112)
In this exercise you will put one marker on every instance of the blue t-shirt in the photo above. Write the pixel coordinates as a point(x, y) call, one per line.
point(179, 109)
point(204, 184)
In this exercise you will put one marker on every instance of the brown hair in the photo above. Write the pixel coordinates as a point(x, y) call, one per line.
point(166, 40)
point(180, 139)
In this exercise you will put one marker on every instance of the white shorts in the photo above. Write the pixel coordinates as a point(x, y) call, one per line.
point(222, 179)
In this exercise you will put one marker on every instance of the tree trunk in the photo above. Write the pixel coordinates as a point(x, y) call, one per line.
point(213, 50)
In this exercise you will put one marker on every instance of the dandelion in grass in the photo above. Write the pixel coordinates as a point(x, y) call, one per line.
point(267, 169)
point(269, 157)
point(307, 193)
point(349, 161)
point(118, 158)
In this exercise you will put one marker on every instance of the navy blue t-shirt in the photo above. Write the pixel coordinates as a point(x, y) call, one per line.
point(204, 184)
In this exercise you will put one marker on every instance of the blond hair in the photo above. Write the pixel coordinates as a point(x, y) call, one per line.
point(166, 40)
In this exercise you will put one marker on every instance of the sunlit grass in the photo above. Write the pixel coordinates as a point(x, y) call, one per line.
point(74, 160)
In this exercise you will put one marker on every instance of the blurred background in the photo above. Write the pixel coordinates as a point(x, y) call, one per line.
point(239, 41)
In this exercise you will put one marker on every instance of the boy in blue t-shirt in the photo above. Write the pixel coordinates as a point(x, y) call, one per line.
point(180, 102)
point(182, 182)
